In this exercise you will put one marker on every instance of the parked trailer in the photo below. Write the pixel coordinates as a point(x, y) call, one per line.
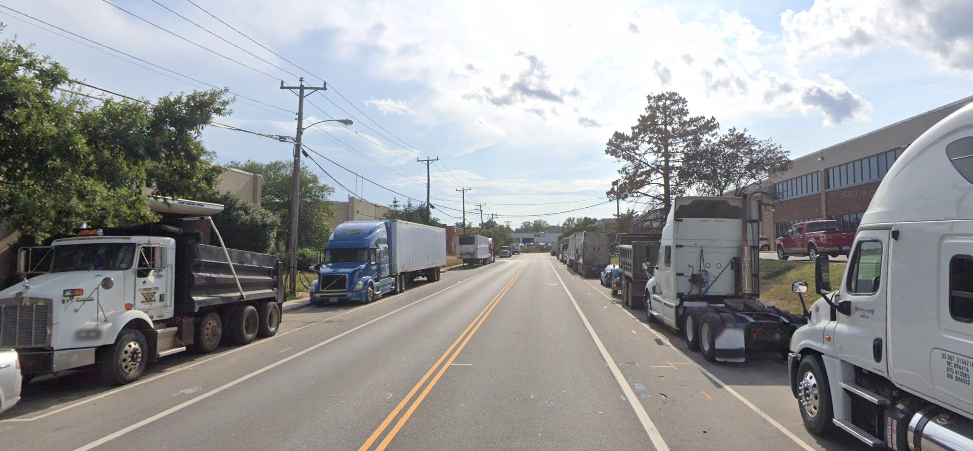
point(593, 253)
point(887, 355)
point(368, 259)
point(120, 298)
point(631, 258)
point(474, 249)
point(571, 251)
point(707, 284)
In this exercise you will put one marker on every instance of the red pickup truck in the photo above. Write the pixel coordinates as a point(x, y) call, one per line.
point(813, 238)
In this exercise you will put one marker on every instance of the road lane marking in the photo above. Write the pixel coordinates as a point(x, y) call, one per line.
point(468, 333)
point(285, 349)
point(176, 369)
point(253, 374)
point(462, 364)
point(722, 384)
point(640, 412)
point(706, 395)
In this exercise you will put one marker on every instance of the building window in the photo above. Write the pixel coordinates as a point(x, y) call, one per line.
point(804, 185)
point(961, 288)
point(866, 170)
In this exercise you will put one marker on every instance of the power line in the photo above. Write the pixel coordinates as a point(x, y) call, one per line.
point(132, 57)
point(191, 41)
point(557, 213)
point(555, 203)
point(223, 39)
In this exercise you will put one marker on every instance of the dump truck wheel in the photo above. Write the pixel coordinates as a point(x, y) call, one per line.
point(269, 313)
point(244, 325)
point(209, 332)
point(124, 361)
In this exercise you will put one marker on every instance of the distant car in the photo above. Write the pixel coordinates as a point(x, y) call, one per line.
point(10, 379)
point(610, 272)
point(764, 244)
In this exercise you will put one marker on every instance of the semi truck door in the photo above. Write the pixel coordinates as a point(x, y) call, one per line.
point(860, 336)
point(150, 281)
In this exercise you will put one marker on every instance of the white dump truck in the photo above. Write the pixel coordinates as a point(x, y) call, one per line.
point(887, 356)
point(706, 281)
point(120, 298)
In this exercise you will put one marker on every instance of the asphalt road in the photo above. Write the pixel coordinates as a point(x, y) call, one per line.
point(519, 354)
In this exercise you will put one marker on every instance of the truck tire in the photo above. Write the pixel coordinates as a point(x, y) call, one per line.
point(269, 313)
point(814, 396)
point(711, 325)
point(370, 294)
point(124, 361)
point(438, 274)
point(690, 329)
point(780, 253)
point(399, 283)
point(648, 310)
point(812, 252)
point(209, 332)
point(615, 290)
point(244, 325)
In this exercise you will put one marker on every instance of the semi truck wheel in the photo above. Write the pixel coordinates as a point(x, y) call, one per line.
point(244, 326)
point(209, 331)
point(690, 329)
point(615, 290)
point(124, 361)
point(711, 325)
point(814, 396)
point(399, 283)
point(269, 313)
point(438, 273)
point(648, 309)
point(780, 253)
point(369, 294)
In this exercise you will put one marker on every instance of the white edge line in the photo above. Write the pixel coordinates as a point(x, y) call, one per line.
point(219, 389)
point(176, 369)
point(722, 384)
point(647, 423)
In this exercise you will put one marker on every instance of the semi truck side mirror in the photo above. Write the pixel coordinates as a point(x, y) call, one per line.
point(822, 275)
point(799, 287)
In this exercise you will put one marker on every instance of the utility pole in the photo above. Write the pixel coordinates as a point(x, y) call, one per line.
point(480, 207)
point(295, 195)
point(428, 161)
point(464, 190)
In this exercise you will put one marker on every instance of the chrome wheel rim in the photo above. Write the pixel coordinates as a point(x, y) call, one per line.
point(690, 328)
point(812, 253)
point(273, 318)
point(780, 252)
point(131, 357)
point(808, 394)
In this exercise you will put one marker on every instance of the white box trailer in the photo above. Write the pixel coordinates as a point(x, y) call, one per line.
point(416, 247)
point(571, 252)
point(473, 249)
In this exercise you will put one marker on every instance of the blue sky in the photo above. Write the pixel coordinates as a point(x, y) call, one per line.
point(517, 99)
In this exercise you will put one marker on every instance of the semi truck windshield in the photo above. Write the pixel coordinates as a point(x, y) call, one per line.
point(90, 257)
point(346, 255)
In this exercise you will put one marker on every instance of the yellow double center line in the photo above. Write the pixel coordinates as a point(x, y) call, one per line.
point(451, 354)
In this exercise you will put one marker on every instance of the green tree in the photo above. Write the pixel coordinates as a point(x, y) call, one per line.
point(315, 217)
point(242, 224)
point(574, 225)
point(410, 212)
point(539, 226)
point(653, 151)
point(64, 161)
point(734, 164)
point(525, 226)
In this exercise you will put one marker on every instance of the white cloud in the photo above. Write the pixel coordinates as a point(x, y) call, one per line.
point(386, 106)
point(937, 30)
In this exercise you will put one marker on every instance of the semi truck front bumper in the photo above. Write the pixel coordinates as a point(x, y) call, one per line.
point(325, 297)
point(44, 361)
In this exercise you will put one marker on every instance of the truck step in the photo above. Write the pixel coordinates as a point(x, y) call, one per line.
point(858, 433)
point(867, 395)
point(172, 351)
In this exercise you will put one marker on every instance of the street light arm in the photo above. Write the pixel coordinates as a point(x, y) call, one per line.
point(346, 122)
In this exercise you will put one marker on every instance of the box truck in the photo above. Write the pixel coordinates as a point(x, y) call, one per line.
point(474, 249)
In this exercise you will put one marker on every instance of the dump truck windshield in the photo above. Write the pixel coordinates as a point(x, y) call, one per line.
point(93, 257)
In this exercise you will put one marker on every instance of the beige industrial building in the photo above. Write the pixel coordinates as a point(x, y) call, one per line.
point(358, 210)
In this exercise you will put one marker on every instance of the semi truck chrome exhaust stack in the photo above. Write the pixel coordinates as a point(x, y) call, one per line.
point(935, 429)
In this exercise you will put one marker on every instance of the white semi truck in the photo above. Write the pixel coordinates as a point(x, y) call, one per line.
point(706, 280)
point(121, 298)
point(887, 357)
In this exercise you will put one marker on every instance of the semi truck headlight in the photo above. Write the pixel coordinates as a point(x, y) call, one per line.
point(359, 285)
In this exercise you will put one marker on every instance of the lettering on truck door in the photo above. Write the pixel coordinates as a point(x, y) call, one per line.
point(860, 337)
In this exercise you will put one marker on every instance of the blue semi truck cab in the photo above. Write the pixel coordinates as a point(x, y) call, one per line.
point(368, 259)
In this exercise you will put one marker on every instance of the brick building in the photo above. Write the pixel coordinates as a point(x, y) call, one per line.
point(838, 182)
